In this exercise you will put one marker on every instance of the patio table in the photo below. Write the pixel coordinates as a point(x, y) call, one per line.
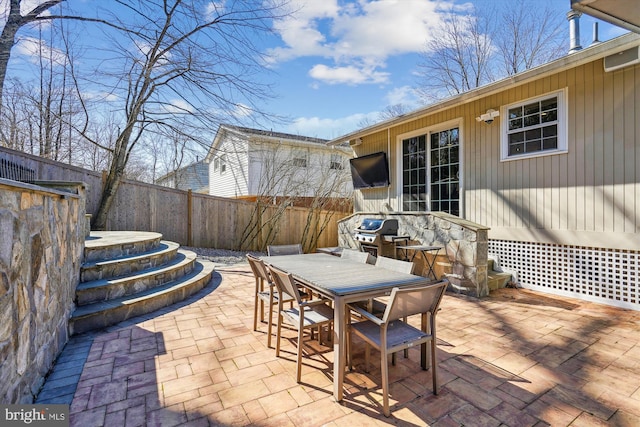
point(344, 281)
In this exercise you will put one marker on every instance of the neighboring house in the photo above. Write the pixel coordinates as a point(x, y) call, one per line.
point(194, 177)
point(252, 163)
point(548, 159)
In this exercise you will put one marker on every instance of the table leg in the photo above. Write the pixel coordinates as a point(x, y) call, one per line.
point(430, 272)
point(339, 354)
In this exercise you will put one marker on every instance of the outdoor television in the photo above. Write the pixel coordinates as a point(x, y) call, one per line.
point(370, 171)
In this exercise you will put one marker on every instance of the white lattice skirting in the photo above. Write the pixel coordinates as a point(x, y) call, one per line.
point(606, 276)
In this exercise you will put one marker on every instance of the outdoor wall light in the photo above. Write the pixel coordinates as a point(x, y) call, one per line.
point(488, 116)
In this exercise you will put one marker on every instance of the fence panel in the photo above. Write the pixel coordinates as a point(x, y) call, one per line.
point(216, 222)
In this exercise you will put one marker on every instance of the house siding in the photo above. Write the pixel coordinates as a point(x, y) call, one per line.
point(234, 181)
point(588, 196)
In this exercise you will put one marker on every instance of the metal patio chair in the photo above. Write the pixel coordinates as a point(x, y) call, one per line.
point(307, 315)
point(390, 334)
point(293, 249)
point(263, 296)
point(357, 256)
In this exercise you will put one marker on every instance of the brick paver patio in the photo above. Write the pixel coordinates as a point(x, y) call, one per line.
point(517, 358)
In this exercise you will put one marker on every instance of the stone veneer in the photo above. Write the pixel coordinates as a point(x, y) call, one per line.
point(466, 244)
point(42, 231)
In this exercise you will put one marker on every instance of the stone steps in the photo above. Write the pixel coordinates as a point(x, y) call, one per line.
point(104, 245)
point(129, 264)
point(106, 289)
point(495, 279)
point(133, 273)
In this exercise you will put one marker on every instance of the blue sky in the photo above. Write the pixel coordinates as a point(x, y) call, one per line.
point(337, 62)
point(340, 61)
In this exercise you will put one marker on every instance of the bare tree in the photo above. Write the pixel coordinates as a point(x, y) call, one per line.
point(457, 57)
point(15, 20)
point(473, 49)
point(389, 112)
point(286, 180)
point(180, 66)
point(530, 35)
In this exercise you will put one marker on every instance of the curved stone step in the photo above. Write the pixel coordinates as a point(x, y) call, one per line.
point(102, 314)
point(111, 288)
point(103, 245)
point(118, 267)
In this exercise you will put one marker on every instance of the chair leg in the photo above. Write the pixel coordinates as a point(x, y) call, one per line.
point(385, 382)
point(261, 301)
point(434, 366)
point(367, 353)
point(406, 350)
point(348, 345)
point(278, 333)
point(255, 312)
point(270, 321)
point(299, 361)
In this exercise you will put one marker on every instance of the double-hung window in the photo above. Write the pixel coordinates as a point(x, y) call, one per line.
point(535, 127)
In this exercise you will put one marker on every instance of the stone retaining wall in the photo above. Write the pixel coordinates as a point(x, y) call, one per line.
point(41, 246)
point(466, 244)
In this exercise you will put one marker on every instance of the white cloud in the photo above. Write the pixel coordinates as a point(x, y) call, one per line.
point(357, 37)
point(405, 95)
point(34, 48)
point(347, 75)
point(177, 106)
point(328, 128)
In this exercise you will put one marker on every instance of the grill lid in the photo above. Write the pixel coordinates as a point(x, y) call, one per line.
point(371, 224)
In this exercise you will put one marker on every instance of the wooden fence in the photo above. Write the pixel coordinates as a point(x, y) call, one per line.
point(194, 219)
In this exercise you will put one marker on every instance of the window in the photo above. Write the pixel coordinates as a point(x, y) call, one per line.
point(223, 163)
point(445, 171)
point(431, 172)
point(336, 162)
point(535, 127)
point(414, 174)
point(299, 159)
point(216, 164)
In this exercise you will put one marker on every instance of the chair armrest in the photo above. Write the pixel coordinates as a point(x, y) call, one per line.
point(364, 313)
point(313, 302)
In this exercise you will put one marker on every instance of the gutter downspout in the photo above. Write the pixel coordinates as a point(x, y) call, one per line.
point(390, 157)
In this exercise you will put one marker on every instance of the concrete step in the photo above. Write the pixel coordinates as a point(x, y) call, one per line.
point(496, 280)
point(128, 264)
point(111, 288)
point(104, 245)
point(102, 314)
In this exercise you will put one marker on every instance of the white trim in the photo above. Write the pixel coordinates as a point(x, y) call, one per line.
point(563, 126)
point(427, 131)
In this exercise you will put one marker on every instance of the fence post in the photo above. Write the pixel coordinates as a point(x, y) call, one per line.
point(189, 217)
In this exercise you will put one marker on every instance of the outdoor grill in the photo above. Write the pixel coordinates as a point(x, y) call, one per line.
point(379, 236)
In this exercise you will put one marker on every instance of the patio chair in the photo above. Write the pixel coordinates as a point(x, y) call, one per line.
point(293, 249)
point(262, 296)
point(390, 334)
point(375, 306)
point(395, 264)
point(354, 255)
point(307, 314)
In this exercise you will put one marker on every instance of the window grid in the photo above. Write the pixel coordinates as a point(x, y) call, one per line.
point(607, 276)
point(445, 167)
point(414, 169)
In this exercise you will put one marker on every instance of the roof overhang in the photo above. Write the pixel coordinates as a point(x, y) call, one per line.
point(576, 59)
point(623, 13)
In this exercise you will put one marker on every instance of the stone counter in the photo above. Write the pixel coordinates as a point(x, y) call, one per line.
point(41, 246)
point(466, 244)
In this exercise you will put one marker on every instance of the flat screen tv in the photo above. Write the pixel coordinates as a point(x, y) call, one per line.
point(370, 171)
